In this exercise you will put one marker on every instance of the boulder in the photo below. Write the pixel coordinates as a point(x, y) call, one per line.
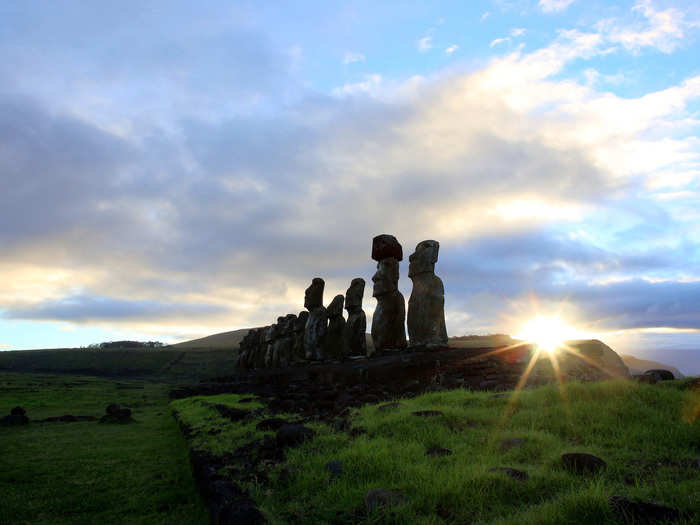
point(291, 435)
point(635, 511)
point(660, 375)
point(582, 463)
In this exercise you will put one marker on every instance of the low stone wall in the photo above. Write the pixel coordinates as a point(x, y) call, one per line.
point(325, 390)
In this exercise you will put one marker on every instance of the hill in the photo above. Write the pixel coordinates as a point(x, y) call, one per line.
point(221, 340)
point(639, 366)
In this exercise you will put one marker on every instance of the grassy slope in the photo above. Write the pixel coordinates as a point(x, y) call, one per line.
point(163, 364)
point(87, 472)
point(221, 340)
point(644, 432)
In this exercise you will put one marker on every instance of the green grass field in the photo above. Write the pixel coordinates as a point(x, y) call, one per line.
point(648, 435)
point(163, 364)
point(88, 472)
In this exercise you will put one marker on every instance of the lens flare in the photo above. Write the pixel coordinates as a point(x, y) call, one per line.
point(549, 333)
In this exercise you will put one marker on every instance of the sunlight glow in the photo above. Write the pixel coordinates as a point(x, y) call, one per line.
point(549, 333)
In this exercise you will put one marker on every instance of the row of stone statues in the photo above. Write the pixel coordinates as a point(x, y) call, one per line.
point(317, 334)
point(323, 333)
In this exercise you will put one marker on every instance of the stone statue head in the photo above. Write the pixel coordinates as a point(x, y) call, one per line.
point(336, 307)
point(386, 279)
point(270, 333)
point(353, 297)
point(313, 297)
point(300, 322)
point(424, 258)
point(289, 321)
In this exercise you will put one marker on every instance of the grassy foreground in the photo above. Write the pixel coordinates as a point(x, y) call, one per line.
point(648, 435)
point(88, 472)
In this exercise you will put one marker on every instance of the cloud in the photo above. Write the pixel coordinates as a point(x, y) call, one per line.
point(82, 308)
point(425, 44)
point(554, 6)
point(5, 346)
point(533, 182)
point(451, 49)
point(663, 30)
point(514, 33)
point(367, 85)
point(350, 57)
point(484, 16)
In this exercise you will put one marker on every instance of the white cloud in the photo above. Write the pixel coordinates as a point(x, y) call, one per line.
point(424, 44)
point(5, 346)
point(245, 210)
point(554, 6)
point(351, 57)
point(451, 49)
point(498, 41)
point(517, 31)
point(485, 16)
point(366, 86)
point(663, 30)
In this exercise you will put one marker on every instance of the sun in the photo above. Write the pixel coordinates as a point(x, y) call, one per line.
point(548, 333)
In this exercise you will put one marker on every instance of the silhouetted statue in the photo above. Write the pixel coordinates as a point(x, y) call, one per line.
point(426, 306)
point(285, 347)
point(261, 347)
point(336, 325)
point(317, 325)
point(354, 339)
point(299, 328)
point(273, 333)
point(388, 321)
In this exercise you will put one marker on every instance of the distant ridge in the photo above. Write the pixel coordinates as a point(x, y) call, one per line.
point(221, 340)
point(639, 366)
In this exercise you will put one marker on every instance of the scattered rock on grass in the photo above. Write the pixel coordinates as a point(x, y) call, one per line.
point(292, 435)
point(377, 498)
point(582, 463)
point(437, 452)
point(514, 473)
point(335, 468)
point(427, 413)
point(660, 374)
point(18, 416)
point(642, 511)
point(231, 413)
point(116, 414)
point(507, 444)
point(274, 423)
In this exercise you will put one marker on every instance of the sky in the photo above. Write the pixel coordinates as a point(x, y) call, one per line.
point(171, 169)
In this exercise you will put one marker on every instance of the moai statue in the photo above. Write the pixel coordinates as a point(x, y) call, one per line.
point(253, 344)
point(388, 322)
point(317, 325)
point(261, 347)
point(244, 348)
point(277, 343)
point(426, 306)
point(286, 346)
point(270, 339)
point(336, 325)
point(354, 339)
point(299, 327)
